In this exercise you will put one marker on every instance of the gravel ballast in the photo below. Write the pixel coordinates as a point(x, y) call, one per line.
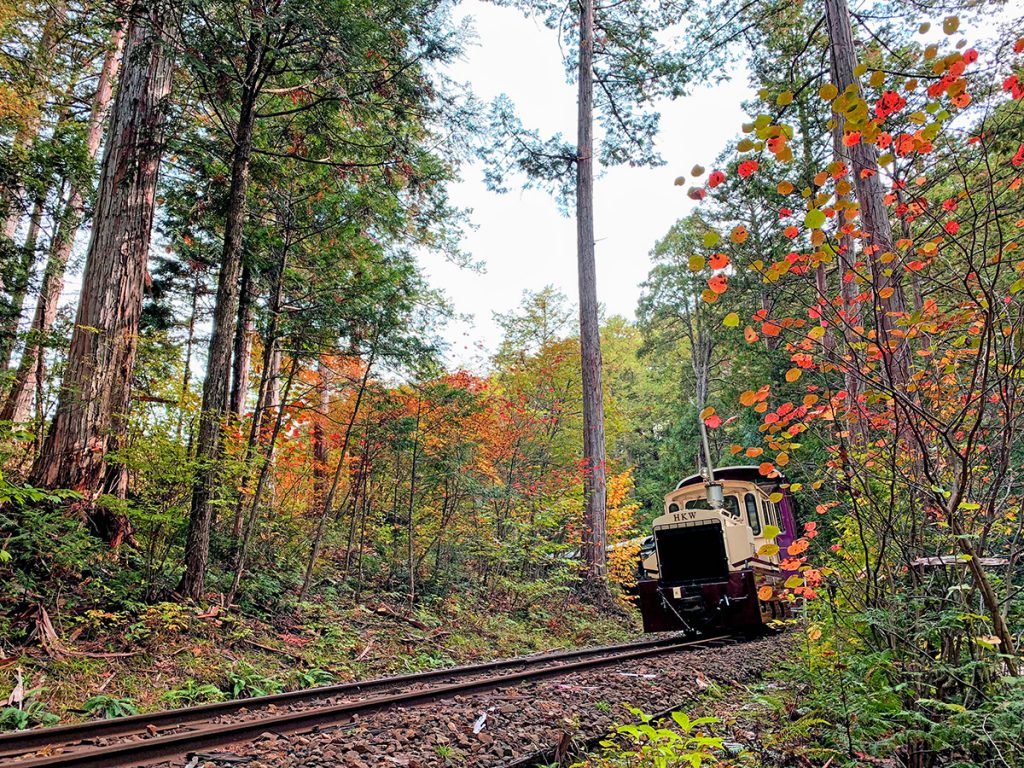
point(495, 727)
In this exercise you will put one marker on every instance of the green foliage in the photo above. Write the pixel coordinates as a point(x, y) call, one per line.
point(668, 743)
point(192, 693)
point(245, 682)
point(30, 715)
point(314, 678)
point(108, 707)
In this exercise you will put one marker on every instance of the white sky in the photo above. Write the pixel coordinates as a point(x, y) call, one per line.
point(520, 237)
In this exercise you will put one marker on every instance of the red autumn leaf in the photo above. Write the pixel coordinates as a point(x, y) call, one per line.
point(748, 168)
point(718, 284)
point(890, 103)
point(718, 261)
point(716, 178)
point(714, 421)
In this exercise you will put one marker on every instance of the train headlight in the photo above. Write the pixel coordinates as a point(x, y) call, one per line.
point(677, 593)
point(715, 494)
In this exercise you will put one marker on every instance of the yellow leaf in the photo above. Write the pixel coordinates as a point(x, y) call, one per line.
point(711, 239)
point(775, 498)
point(771, 531)
point(793, 374)
point(696, 263)
point(707, 413)
point(732, 320)
point(768, 550)
point(784, 99)
point(793, 582)
point(828, 92)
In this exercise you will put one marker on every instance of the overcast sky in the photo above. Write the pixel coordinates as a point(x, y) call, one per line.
point(520, 237)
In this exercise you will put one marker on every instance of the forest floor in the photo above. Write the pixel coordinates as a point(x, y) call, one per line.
point(173, 655)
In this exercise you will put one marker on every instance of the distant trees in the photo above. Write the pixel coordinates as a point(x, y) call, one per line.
point(621, 68)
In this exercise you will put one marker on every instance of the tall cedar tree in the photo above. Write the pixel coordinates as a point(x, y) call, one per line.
point(95, 391)
point(620, 68)
point(323, 70)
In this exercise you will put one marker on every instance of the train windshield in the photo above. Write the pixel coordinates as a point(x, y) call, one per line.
point(731, 505)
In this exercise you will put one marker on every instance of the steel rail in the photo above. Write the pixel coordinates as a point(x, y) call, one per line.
point(140, 752)
point(20, 742)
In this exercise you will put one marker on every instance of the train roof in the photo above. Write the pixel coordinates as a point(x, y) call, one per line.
point(750, 474)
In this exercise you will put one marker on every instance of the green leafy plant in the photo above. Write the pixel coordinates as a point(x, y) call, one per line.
point(669, 743)
point(245, 682)
point(34, 713)
point(109, 707)
point(193, 693)
point(314, 678)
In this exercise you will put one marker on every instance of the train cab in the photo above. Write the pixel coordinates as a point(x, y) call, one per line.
point(701, 570)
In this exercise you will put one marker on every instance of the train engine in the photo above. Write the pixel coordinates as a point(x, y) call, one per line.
point(700, 571)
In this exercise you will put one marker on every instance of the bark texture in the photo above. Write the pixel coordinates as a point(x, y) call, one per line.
point(31, 371)
point(871, 198)
point(96, 388)
point(595, 511)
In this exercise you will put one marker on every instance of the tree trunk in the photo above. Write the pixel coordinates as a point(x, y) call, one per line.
point(95, 392)
point(243, 347)
point(218, 370)
point(411, 521)
point(261, 484)
point(268, 376)
point(31, 369)
point(871, 197)
point(18, 284)
point(332, 492)
point(320, 445)
point(11, 198)
point(590, 335)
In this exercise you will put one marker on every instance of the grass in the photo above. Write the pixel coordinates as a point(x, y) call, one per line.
point(182, 656)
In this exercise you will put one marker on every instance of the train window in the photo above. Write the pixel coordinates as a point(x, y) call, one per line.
point(673, 507)
point(755, 522)
point(771, 514)
point(731, 505)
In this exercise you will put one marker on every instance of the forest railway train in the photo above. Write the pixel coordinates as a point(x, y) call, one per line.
point(700, 570)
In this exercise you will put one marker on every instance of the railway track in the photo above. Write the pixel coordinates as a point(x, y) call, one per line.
point(144, 739)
